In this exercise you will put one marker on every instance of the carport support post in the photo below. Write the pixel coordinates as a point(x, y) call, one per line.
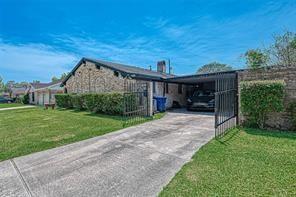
point(150, 98)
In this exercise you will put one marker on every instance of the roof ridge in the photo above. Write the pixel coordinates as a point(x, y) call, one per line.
point(123, 64)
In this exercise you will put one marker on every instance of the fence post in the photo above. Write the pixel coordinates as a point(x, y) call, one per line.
point(150, 98)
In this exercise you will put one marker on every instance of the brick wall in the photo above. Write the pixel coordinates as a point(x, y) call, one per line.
point(88, 78)
point(288, 74)
point(172, 95)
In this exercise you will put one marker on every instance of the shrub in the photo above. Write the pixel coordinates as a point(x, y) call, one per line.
point(25, 99)
point(112, 103)
point(258, 98)
point(89, 102)
point(77, 101)
point(292, 111)
point(108, 103)
point(63, 100)
point(19, 99)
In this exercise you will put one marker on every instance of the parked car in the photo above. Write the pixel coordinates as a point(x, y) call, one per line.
point(201, 100)
point(6, 100)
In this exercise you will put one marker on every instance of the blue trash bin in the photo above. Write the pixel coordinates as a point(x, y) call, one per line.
point(160, 103)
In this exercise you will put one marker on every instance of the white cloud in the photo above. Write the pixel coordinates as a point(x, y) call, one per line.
point(33, 61)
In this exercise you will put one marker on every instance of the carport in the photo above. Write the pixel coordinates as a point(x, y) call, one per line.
point(225, 86)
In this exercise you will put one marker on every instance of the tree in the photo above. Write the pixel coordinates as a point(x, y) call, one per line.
point(283, 51)
point(64, 75)
point(8, 87)
point(55, 79)
point(2, 86)
point(214, 67)
point(255, 58)
point(36, 81)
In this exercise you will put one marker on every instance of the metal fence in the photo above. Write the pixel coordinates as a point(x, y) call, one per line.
point(226, 103)
point(135, 102)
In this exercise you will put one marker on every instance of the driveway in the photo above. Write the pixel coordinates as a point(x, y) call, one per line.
point(21, 107)
point(136, 161)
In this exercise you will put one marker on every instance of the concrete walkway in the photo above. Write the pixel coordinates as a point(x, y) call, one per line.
point(20, 107)
point(136, 161)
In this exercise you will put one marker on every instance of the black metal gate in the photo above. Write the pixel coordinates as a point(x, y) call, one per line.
point(135, 102)
point(226, 103)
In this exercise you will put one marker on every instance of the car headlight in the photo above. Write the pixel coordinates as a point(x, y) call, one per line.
point(189, 100)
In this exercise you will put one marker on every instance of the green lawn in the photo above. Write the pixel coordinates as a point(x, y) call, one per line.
point(245, 162)
point(7, 105)
point(25, 131)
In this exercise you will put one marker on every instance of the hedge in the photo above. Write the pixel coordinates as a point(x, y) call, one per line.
point(108, 103)
point(26, 99)
point(77, 101)
point(63, 100)
point(258, 98)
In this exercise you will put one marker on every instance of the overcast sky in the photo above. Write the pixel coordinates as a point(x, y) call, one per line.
point(42, 38)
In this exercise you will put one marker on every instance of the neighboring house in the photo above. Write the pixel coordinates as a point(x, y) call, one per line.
point(18, 91)
point(42, 93)
point(91, 75)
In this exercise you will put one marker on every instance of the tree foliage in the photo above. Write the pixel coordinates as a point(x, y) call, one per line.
point(55, 79)
point(283, 50)
point(214, 67)
point(2, 85)
point(258, 98)
point(255, 58)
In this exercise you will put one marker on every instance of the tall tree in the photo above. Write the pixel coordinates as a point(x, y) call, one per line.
point(255, 58)
point(214, 67)
point(283, 50)
point(2, 86)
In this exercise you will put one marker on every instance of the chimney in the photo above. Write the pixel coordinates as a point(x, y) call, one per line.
point(161, 66)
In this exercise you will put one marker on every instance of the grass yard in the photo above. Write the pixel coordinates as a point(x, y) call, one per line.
point(246, 162)
point(7, 105)
point(24, 131)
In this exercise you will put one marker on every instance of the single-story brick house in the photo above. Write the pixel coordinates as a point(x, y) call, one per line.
point(42, 93)
point(91, 75)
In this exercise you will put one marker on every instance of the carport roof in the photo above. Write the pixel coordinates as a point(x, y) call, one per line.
point(197, 78)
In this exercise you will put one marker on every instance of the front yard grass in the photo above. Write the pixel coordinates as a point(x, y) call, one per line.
point(24, 131)
point(8, 105)
point(246, 162)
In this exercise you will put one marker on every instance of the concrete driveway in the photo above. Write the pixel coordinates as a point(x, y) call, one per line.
point(136, 161)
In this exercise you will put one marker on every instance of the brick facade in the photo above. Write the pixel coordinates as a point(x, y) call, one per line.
point(288, 74)
point(89, 78)
point(172, 94)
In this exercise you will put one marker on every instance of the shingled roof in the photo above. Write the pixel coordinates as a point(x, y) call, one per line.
point(132, 71)
point(44, 85)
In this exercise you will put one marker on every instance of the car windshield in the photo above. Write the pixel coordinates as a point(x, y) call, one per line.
point(203, 93)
